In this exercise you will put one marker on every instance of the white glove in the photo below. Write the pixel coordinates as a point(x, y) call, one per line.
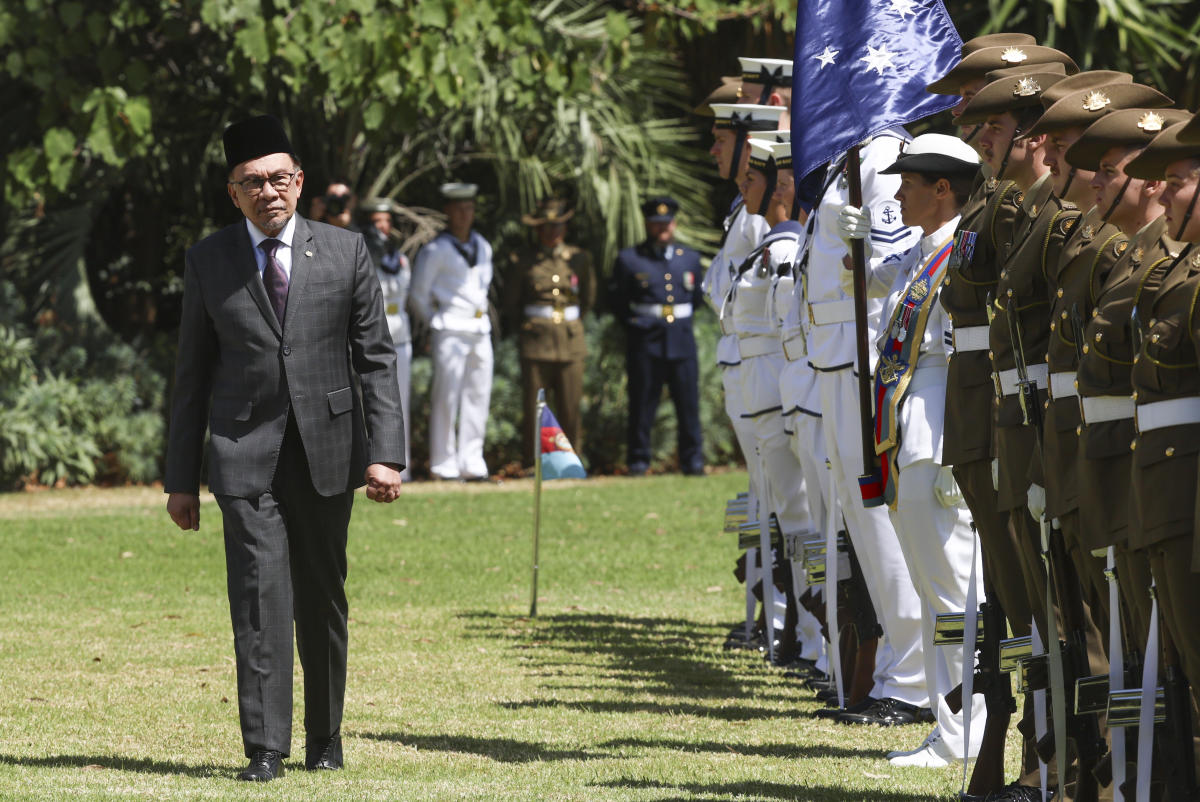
point(854, 223)
point(996, 475)
point(1036, 498)
point(945, 489)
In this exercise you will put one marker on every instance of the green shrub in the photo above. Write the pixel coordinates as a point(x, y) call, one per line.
point(76, 407)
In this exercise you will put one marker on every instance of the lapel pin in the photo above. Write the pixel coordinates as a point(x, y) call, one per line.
point(308, 253)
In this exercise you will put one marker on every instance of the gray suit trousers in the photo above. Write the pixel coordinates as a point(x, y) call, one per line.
point(285, 554)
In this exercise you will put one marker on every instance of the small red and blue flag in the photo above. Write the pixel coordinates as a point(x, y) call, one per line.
point(559, 460)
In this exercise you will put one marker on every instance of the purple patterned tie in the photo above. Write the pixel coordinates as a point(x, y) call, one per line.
point(274, 279)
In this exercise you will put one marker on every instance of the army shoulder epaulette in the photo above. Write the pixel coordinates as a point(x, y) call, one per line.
point(998, 199)
point(1063, 222)
point(1117, 251)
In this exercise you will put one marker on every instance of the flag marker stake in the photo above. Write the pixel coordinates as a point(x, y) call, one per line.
point(537, 493)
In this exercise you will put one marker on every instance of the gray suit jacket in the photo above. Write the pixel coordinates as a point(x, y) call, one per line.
point(234, 356)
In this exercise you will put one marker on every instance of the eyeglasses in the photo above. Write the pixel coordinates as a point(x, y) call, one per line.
point(279, 182)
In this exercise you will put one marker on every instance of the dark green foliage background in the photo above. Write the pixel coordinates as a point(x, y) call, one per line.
point(108, 121)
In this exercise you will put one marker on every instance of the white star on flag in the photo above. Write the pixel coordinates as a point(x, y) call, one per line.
point(878, 59)
point(827, 57)
point(903, 7)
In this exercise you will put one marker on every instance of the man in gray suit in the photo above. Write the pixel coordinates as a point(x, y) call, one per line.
point(284, 354)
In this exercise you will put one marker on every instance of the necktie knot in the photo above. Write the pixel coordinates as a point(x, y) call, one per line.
point(269, 246)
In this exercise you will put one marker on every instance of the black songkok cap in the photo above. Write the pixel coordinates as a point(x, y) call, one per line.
point(253, 138)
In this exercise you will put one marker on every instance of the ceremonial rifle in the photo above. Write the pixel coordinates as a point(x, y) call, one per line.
point(1068, 661)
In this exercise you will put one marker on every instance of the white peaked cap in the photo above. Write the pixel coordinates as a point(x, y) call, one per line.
point(776, 67)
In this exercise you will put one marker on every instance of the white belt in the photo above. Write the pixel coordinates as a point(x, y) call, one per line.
point(1104, 408)
point(1161, 414)
point(759, 345)
point(554, 313)
point(1038, 373)
point(458, 313)
point(1062, 385)
point(795, 348)
point(825, 313)
point(971, 338)
point(663, 310)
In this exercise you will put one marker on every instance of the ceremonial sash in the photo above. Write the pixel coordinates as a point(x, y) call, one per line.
point(902, 348)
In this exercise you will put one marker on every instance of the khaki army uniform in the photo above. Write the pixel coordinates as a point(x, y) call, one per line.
point(547, 292)
point(1107, 426)
point(1087, 255)
point(991, 213)
point(1166, 370)
point(1015, 442)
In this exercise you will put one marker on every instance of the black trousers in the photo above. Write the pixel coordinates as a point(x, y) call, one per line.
point(646, 377)
point(285, 556)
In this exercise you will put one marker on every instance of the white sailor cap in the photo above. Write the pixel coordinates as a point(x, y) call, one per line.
point(782, 153)
point(767, 71)
point(747, 116)
point(937, 154)
point(762, 154)
point(459, 191)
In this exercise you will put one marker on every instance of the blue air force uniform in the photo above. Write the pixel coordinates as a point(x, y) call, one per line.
point(654, 292)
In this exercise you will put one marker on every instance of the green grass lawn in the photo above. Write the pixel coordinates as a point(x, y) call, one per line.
point(116, 657)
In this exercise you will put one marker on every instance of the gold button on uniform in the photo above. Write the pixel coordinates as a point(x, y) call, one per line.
point(1053, 325)
point(1170, 452)
point(555, 291)
point(1085, 348)
point(1060, 294)
point(555, 279)
point(670, 298)
point(669, 287)
point(1133, 446)
point(1078, 430)
point(668, 278)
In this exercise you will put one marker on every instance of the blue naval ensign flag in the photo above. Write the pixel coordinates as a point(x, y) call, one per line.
point(861, 67)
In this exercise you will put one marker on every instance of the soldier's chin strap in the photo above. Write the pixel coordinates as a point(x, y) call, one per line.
point(1007, 153)
point(1112, 207)
point(772, 176)
point(1067, 188)
point(741, 133)
point(1187, 216)
point(974, 133)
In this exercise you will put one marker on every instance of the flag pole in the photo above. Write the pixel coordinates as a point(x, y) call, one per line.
point(537, 493)
point(858, 260)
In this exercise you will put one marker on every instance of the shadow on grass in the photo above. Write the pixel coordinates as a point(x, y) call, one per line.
point(668, 654)
point(116, 763)
point(502, 750)
point(726, 712)
point(766, 791)
point(786, 751)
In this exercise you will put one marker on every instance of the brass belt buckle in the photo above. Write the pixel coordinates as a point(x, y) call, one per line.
point(557, 316)
point(478, 313)
point(668, 312)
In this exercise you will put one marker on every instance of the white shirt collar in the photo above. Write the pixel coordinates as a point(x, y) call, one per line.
point(284, 236)
point(930, 243)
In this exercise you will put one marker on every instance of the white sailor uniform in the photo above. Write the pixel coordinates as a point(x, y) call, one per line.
point(827, 314)
point(395, 286)
point(938, 544)
point(450, 292)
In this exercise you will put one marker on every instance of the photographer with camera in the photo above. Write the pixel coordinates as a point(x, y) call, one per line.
point(339, 202)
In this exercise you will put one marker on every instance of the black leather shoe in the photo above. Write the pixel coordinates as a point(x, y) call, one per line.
point(324, 754)
point(265, 765)
point(1009, 793)
point(884, 713)
point(834, 712)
